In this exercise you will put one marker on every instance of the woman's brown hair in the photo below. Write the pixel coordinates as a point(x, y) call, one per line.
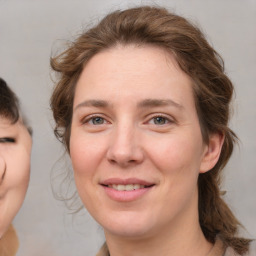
point(213, 92)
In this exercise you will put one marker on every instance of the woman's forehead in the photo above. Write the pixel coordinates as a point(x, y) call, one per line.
point(5, 121)
point(125, 63)
point(132, 71)
point(7, 124)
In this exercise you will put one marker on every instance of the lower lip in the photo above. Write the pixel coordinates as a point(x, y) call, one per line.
point(126, 196)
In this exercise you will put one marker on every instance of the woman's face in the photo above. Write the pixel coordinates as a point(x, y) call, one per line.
point(15, 148)
point(136, 145)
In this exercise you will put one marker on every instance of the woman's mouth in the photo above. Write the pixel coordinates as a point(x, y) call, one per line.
point(126, 190)
point(128, 187)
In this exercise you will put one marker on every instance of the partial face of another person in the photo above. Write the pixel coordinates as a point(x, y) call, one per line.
point(136, 144)
point(15, 148)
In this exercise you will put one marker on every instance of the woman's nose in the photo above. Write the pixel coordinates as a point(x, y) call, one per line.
point(2, 169)
point(125, 149)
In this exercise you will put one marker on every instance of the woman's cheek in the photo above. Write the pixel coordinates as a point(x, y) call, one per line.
point(86, 150)
point(19, 171)
point(82, 155)
point(167, 150)
point(2, 168)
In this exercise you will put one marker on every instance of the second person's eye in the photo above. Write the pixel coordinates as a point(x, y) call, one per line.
point(7, 140)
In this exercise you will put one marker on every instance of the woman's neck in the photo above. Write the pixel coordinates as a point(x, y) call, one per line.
point(186, 239)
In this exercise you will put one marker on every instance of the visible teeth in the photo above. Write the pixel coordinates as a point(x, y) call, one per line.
point(127, 187)
point(137, 186)
point(113, 186)
point(120, 187)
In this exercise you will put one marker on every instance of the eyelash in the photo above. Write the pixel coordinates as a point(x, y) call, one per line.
point(7, 140)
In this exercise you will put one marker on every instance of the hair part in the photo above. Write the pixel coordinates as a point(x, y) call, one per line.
point(212, 89)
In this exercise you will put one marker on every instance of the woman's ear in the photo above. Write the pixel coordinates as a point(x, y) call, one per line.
point(212, 152)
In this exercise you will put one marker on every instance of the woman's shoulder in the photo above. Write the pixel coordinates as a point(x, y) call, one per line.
point(9, 243)
point(251, 252)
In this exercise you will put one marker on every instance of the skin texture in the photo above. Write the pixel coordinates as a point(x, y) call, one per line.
point(14, 169)
point(134, 116)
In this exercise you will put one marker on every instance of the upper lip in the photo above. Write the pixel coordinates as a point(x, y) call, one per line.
point(112, 181)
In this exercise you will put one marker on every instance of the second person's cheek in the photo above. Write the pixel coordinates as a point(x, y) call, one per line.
point(2, 169)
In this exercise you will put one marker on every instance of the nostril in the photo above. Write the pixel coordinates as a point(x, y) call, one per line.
point(112, 161)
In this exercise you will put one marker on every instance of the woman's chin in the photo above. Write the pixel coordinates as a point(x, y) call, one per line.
point(127, 233)
point(128, 229)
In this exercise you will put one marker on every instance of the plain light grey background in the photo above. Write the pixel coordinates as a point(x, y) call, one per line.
point(30, 30)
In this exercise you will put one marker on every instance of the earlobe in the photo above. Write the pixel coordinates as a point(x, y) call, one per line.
point(212, 152)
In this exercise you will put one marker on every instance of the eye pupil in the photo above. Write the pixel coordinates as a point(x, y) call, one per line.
point(159, 120)
point(97, 120)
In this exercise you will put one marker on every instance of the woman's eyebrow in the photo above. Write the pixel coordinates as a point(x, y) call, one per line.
point(159, 103)
point(93, 103)
point(143, 104)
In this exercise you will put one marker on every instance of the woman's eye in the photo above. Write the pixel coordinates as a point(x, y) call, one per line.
point(97, 120)
point(159, 120)
point(7, 140)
